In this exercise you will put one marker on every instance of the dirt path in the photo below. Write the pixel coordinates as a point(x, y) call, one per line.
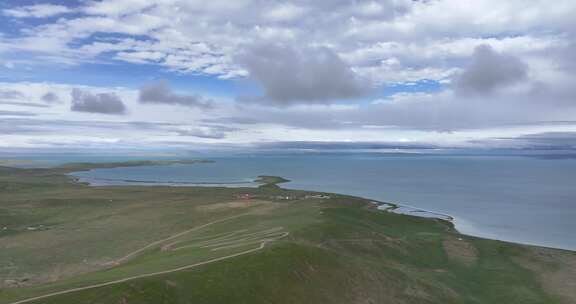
point(238, 237)
point(156, 243)
point(262, 245)
point(282, 235)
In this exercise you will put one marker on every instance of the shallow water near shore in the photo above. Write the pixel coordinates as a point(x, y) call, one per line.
point(517, 199)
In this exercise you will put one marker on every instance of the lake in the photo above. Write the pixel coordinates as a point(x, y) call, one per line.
point(519, 199)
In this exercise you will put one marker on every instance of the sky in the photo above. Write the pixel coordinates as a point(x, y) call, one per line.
point(190, 74)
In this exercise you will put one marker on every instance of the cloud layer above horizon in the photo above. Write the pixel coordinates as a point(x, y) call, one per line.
point(182, 73)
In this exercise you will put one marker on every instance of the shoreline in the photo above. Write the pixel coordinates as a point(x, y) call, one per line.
point(413, 211)
point(256, 182)
point(396, 208)
point(68, 169)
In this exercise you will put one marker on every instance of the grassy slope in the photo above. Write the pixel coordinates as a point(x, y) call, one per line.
point(339, 250)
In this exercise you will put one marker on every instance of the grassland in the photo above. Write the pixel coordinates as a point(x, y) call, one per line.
point(127, 244)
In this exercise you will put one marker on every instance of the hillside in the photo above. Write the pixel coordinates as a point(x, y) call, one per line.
point(64, 242)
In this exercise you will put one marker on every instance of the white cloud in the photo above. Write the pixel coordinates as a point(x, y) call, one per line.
point(381, 42)
point(140, 57)
point(421, 36)
point(36, 11)
point(117, 8)
point(284, 12)
point(102, 103)
point(490, 71)
point(290, 74)
point(161, 93)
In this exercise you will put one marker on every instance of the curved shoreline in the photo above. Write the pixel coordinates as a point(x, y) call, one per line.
point(471, 229)
point(413, 211)
point(384, 206)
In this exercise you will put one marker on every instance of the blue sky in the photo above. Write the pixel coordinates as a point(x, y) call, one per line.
point(174, 73)
point(124, 74)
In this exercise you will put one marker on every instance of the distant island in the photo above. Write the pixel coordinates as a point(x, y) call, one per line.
point(74, 167)
point(67, 242)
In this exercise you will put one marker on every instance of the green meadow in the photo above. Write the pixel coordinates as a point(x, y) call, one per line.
point(64, 242)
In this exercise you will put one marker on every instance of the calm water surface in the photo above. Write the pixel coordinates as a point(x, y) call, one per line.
point(517, 199)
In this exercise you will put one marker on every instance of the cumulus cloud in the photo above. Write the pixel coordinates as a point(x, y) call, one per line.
point(490, 71)
point(50, 97)
point(102, 103)
point(161, 93)
point(290, 74)
point(443, 111)
point(191, 36)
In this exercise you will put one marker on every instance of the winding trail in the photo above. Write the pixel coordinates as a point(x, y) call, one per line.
point(283, 234)
point(262, 245)
point(156, 243)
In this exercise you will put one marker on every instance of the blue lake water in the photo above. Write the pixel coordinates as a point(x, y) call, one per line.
point(518, 199)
